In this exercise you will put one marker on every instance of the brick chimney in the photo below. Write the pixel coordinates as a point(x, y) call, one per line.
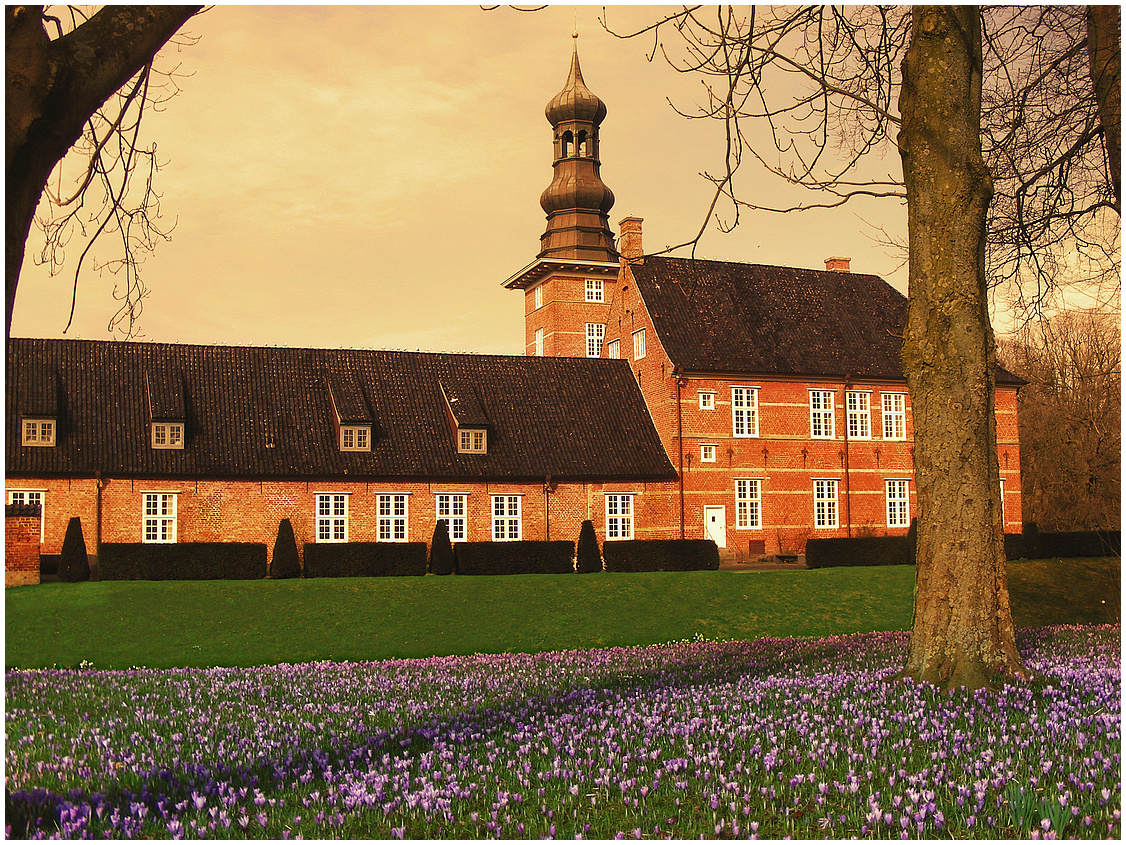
point(629, 243)
point(837, 264)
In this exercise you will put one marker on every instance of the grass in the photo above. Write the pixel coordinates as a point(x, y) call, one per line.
point(118, 624)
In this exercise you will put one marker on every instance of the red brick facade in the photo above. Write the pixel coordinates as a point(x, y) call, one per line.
point(21, 550)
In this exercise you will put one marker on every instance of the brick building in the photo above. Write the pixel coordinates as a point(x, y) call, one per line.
point(659, 397)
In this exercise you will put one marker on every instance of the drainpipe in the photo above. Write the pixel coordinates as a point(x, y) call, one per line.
point(680, 443)
point(98, 484)
point(547, 508)
point(848, 479)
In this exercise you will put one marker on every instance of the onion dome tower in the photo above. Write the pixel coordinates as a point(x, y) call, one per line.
point(577, 202)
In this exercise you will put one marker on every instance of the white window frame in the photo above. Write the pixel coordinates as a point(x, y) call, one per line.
point(619, 516)
point(826, 513)
point(858, 411)
point(537, 297)
point(37, 431)
point(639, 344)
point(894, 407)
point(158, 516)
point(472, 441)
point(748, 503)
point(1002, 483)
point(453, 507)
point(539, 343)
point(744, 411)
point(594, 290)
point(168, 435)
point(355, 438)
point(707, 453)
point(595, 332)
point(614, 349)
point(32, 497)
point(331, 516)
point(707, 400)
point(822, 416)
point(392, 518)
point(897, 496)
point(506, 521)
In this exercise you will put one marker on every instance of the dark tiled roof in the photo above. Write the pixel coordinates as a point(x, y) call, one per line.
point(721, 316)
point(254, 412)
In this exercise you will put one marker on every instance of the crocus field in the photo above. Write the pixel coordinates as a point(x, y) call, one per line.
point(807, 738)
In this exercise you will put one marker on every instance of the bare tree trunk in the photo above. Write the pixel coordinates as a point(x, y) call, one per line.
point(51, 90)
point(963, 630)
point(1104, 48)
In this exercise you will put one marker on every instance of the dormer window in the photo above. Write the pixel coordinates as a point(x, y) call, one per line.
point(167, 435)
point(355, 438)
point(472, 441)
point(40, 432)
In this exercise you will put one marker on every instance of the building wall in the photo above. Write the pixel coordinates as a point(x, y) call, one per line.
point(21, 551)
point(564, 315)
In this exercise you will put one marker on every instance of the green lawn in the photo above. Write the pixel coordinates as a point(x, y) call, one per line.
point(118, 624)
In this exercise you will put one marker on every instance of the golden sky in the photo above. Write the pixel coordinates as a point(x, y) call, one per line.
point(368, 176)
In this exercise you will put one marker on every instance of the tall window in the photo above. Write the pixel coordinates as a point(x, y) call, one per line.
point(451, 508)
point(639, 344)
point(38, 433)
point(332, 517)
point(898, 505)
point(825, 503)
point(539, 342)
point(619, 516)
point(895, 416)
point(744, 411)
point(614, 348)
point(821, 420)
point(594, 334)
point(859, 415)
point(1002, 504)
point(538, 296)
point(391, 517)
point(506, 518)
point(593, 290)
point(30, 497)
point(159, 521)
point(748, 503)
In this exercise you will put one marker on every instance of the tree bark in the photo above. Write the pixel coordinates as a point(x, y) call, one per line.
point(51, 90)
point(962, 634)
point(1104, 49)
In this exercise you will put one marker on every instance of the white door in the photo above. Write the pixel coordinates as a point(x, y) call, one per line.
point(715, 525)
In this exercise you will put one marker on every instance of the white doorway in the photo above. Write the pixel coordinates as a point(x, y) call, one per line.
point(715, 525)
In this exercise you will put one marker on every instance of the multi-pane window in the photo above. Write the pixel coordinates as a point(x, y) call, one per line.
point(821, 420)
point(159, 521)
point(748, 503)
point(898, 506)
point(707, 400)
point(506, 518)
point(614, 348)
point(332, 517)
point(472, 440)
point(895, 416)
point(639, 344)
point(594, 334)
point(593, 290)
point(538, 296)
point(355, 438)
point(859, 415)
point(168, 435)
point(38, 433)
point(825, 503)
point(619, 516)
point(451, 508)
point(391, 517)
point(30, 497)
point(539, 342)
point(744, 411)
point(707, 453)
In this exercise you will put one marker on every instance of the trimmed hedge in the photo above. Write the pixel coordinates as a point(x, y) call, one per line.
point(824, 552)
point(520, 557)
point(284, 562)
point(181, 561)
point(589, 559)
point(441, 551)
point(74, 566)
point(660, 555)
point(364, 560)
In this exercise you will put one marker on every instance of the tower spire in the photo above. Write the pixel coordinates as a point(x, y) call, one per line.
point(577, 202)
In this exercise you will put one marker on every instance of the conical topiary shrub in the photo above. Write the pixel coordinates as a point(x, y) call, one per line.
point(73, 564)
point(589, 558)
point(441, 550)
point(285, 563)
